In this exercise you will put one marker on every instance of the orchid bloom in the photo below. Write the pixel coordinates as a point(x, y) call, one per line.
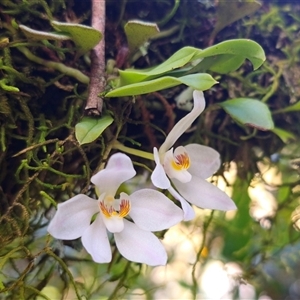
point(90, 219)
point(188, 168)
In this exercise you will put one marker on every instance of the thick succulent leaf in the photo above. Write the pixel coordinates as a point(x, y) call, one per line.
point(197, 81)
point(233, 50)
point(177, 60)
point(42, 35)
point(222, 58)
point(249, 112)
point(89, 129)
point(223, 64)
point(138, 33)
point(85, 37)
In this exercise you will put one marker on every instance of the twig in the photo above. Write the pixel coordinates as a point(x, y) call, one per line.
point(35, 146)
point(204, 236)
point(97, 78)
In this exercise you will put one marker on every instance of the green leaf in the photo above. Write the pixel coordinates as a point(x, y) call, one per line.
point(249, 112)
point(85, 37)
point(294, 107)
point(231, 11)
point(234, 51)
point(89, 129)
point(223, 64)
point(42, 35)
point(177, 60)
point(138, 33)
point(222, 58)
point(201, 82)
point(284, 135)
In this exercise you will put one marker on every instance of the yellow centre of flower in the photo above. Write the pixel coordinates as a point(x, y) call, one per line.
point(181, 162)
point(109, 211)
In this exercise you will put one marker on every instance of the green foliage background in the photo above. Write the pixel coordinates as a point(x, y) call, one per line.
point(43, 89)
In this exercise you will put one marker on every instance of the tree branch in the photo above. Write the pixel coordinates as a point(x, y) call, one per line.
point(97, 78)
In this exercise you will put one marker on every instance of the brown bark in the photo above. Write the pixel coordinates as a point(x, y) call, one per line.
point(97, 78)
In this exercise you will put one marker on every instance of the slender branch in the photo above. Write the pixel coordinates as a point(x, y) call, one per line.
point(35, 146)
point(204, 236)
point(97, 79)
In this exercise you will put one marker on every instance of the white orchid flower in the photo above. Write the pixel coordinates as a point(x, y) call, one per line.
point(188, 168)
point(90, 219)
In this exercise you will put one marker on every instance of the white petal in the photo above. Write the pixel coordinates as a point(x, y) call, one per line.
point(159, 177)
point(181, 126)
point(181, 175)
point(141, 246)
point(188, 211)
point(73, 217)
point(205, 161)
point(204, 194)
point(114, 223)
point(153, 211)
point(118, 169)
point(96, 242)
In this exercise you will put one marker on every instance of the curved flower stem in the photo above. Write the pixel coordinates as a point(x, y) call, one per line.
point(97, 78)
point(140, 153)
point(65, 268)
point(194, 277)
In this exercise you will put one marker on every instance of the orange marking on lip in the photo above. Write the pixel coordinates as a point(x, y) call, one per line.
point(108, 211)
point(181, 162)
point(124, 208)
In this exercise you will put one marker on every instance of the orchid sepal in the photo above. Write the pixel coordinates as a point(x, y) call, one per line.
point(185, 122)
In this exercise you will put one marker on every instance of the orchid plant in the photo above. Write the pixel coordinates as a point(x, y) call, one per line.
point(148, 209)
point(131, 219)
point(188, 168)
